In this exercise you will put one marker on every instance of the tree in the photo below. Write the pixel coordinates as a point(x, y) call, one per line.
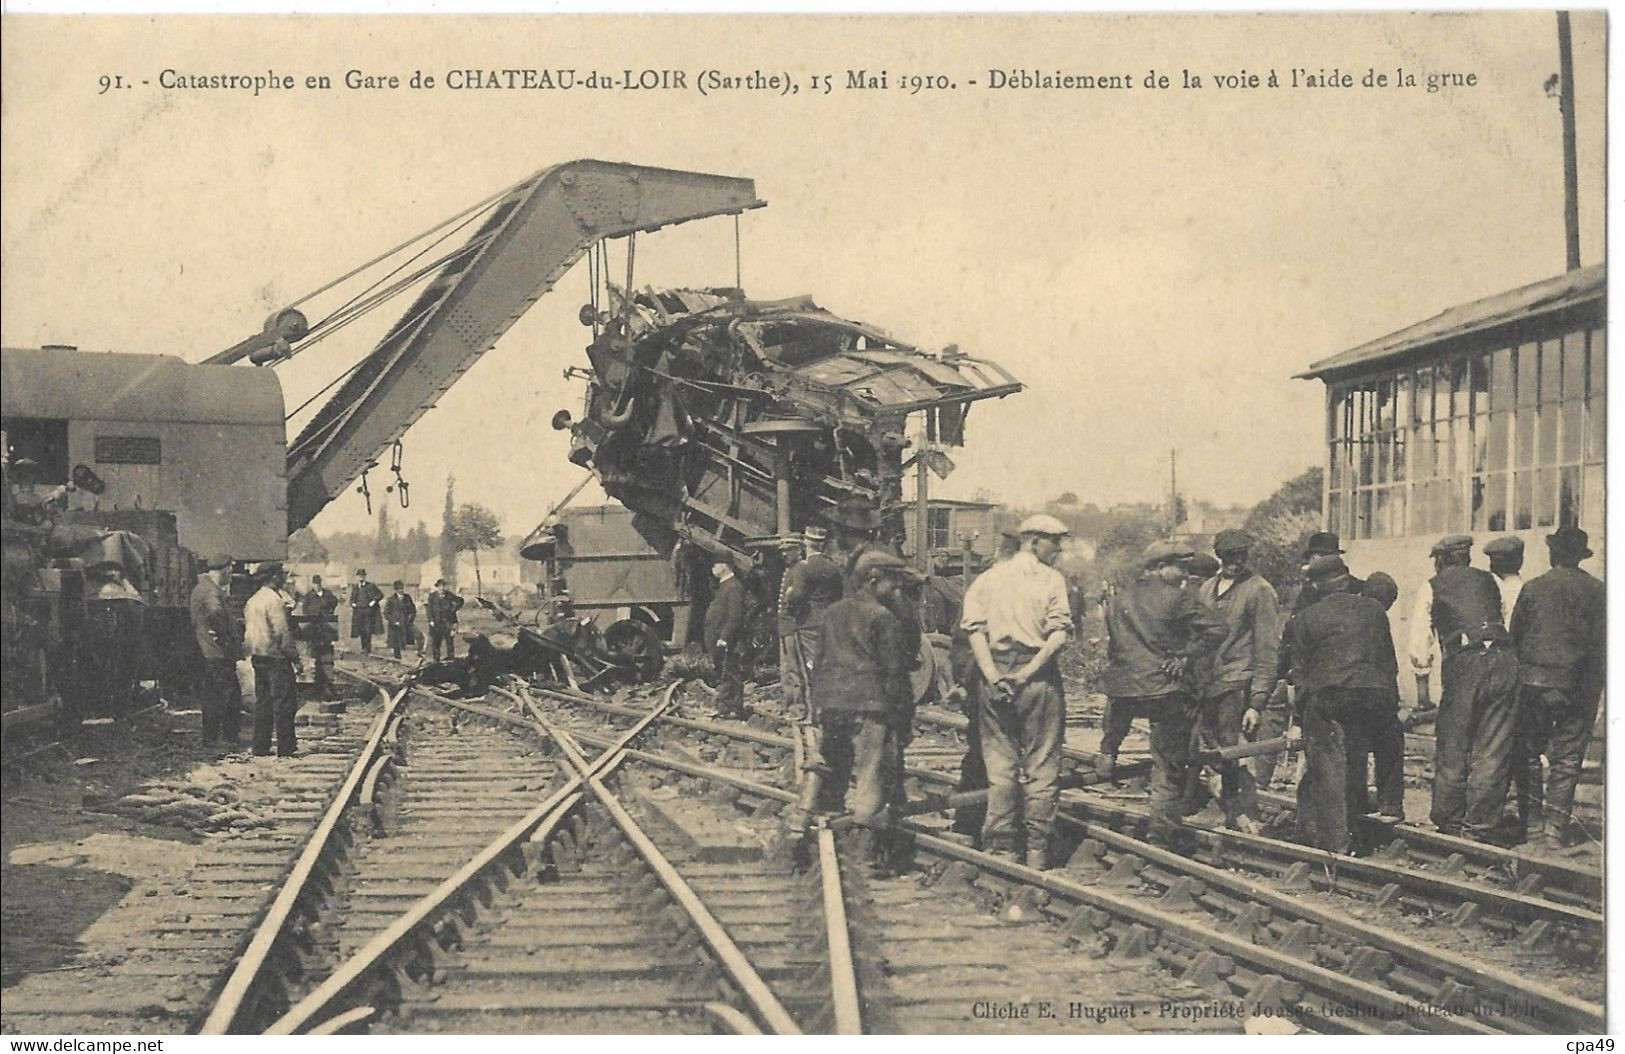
point(448, 535)
point(384, 548)
point(305, 548)
point(415, 545)
point(1117, 558)
point(1067, 500)
point(476, 528)
point(1282, 524)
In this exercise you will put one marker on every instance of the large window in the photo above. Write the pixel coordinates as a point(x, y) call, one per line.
point(1509, 439)
point(938, 533)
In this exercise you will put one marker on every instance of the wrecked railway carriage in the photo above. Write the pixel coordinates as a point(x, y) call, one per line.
point(730, 425)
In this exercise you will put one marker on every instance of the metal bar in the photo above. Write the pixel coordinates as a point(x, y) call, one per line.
point(843, 977)
point(541, 819)
point(252, 962)
point(755, 990)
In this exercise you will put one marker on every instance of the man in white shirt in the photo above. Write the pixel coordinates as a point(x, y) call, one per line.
point(1506, 564)
point(1017, 618)
point(275, 656)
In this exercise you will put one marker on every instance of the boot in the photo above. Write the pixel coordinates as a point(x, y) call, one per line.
point(1105, 766)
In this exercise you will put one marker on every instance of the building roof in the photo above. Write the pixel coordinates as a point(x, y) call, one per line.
point(1554, 294)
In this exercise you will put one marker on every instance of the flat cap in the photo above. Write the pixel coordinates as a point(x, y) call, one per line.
point(815, 534)
point(1204, 565)
point(1382, 588)
point(1505, 545)
point(1452, 543)
point(1327, 566)
point(1231, 540)
point(1043, 523)
point(1159, 553)
point(1324, 543)
point(217, 562)
point(269, 569)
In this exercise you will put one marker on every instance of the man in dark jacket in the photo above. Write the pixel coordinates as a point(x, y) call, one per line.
point(1156, 630)
point(812, 584)
point(1344, 666)
point(318, 609)
point(441, 607)
point(1459, 612)
point(1386, 743)
point(1242, 671)
point(220, 694)
point(401, 616)
point(366, 611)
point(1560, 630)
point(725, 638)
point(861, 695)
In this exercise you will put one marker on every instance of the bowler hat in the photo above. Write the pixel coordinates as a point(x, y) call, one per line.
point(1324, 543)
point(1570, 539)
point(1231, 540)
point(397, 584)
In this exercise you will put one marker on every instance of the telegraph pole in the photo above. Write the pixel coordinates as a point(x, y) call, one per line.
point(1571, 168)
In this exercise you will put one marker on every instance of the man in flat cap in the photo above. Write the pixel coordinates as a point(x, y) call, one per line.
point(1560, 630)
point(275, 655)
point(1017, 618)
point(859, 690)
point(1344, 666)
point(1156, 631)
point(1459, 612)
point(1506, 564)
point(810, 585)
point(1237, 688)
point(725, 634)
point(219, 694)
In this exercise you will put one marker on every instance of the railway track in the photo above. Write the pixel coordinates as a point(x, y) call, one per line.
point(1257, 886)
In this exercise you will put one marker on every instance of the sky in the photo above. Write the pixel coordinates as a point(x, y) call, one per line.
point(1155, 265)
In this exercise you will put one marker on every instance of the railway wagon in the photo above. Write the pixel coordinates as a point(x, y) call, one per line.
point(122, 473)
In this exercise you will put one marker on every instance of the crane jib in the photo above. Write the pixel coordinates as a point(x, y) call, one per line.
point(529, 239)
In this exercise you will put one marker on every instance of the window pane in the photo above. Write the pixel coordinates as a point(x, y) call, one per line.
point(1401, 522)
point(1524, 445)
point(1422, 404)
point(1591, 503)
point(1548, 435)
point(1384, 453)
point(1573, 433)
point(1380, 512)
point(1479, 378)
point(1596, 429)
point(1362, 526)
point(1402, 401)
point(1460, 388)
point(1340, 409)
point(1545, 497)
point(1523, 501)
point(1495, 502)
point(1528, 363)
point(1574, 365)
point(1456, 503)
point(1401, 472)
point(1334, 514)
point(1551, 361)
point(1496, 441)
point(1501, 378)
point(1568, 496)
point(1334, 461)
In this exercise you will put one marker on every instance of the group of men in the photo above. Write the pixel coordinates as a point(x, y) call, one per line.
point(270, 637)
point(1207, 659)
point(396, 615)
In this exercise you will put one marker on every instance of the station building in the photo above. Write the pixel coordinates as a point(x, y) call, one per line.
point(1487, 419)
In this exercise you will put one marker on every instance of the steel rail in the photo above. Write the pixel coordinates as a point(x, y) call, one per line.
point(843, 975)
point(1572, 1012)
point(1513, 903)
point(249, 973)
point(755, 990)
point(536, 825)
